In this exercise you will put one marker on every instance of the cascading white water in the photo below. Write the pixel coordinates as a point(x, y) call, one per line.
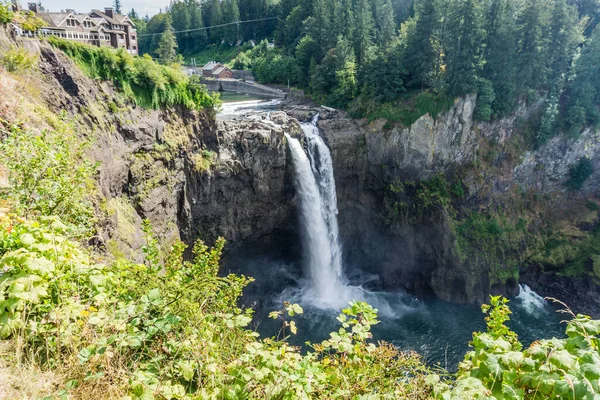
point(325, 286)
point(530, 300)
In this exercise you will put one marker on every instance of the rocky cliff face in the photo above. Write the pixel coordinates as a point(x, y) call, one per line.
point(421, 255)
point(191, 175)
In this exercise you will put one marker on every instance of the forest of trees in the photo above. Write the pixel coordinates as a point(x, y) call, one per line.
point(362, 54)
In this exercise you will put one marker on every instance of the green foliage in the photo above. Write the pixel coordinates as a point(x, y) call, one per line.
point(167, 46)
point(140, 79)
point(464, 46)
point(579, 173)
point(28, 20)
point(18, 59)
point(584, 91)
point(490, 240)
point(49, 174)
point(496, 368)
point(172, 328)
point(276, 68)
point(6, 14)
point(485, 100)
point(407, 112)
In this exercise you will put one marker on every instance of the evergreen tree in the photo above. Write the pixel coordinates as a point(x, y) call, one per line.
point(167, 47)
point(181, 21)
point(465, 36)
point(293, 28)
point(343, 19)
point(232, 15)
point(318, 25)
point(117, 6)
point(346, 74)
point(196, 38)
point(364, 31)
point(216, 18)
point(132, 14)
point(154, 28)
point(501, 55)
point(584, 94)
point(565, 36)
point(384, 22)
point(305, 55)
point(531, 63)
point(420, 56)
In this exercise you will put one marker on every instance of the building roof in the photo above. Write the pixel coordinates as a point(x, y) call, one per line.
point(219, 70)
point(117, 19)
point(210, 66)
point(53, 19)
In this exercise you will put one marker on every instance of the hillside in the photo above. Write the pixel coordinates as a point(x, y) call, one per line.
point(113, 174)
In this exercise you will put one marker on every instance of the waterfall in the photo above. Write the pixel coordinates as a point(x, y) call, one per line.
point(315, 184)
point(530, 300)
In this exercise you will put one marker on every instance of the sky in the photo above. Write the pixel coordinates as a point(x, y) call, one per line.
point(142, 7)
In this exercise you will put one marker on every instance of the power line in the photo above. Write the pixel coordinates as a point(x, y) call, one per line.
point(213, 26)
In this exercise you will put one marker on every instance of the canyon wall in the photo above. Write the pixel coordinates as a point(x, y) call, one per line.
point(196, 177)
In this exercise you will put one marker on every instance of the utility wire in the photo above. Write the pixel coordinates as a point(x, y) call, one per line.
point(214, 26)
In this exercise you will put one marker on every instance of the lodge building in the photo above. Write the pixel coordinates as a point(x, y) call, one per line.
point(98, 28)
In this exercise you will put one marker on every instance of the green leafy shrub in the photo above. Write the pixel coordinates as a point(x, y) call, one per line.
point(28, 20)
point(18, 59)
point(170, 328)
point(579, 173)
point(49, 174)
point(6, 14)
point(496, 368)
point(142, 80)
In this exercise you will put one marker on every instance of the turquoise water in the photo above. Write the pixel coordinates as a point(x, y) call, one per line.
point(437, 330)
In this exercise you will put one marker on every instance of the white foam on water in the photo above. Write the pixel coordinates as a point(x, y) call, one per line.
point(530, 300)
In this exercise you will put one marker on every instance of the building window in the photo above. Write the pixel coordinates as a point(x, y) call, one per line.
point(132, 37)
point(71, 22)
point(134, 47)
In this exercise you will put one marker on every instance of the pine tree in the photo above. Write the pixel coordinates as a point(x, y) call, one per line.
point(420, 56)
point(346, 74)
point(343, 19)
point(181, 22)
point(565, 36)
point(531, 63)
point(385, 23)
point(232, 15)
point(584, 93)
point(216, 18)
point(318, 25)
point(167, 47)
point(197, 38)
point(364, 31)
point(465, 35)
point(501, 55)
point(117, 6)
point(132, 14)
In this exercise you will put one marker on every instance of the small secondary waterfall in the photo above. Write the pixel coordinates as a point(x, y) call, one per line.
point(530, 300)
point(315, 184)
